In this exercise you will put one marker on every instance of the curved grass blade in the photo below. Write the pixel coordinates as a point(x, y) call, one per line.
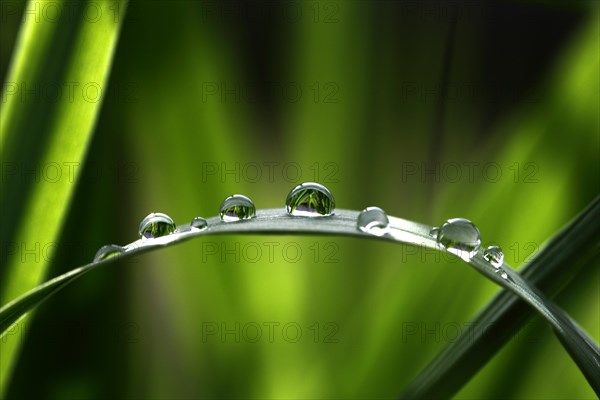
point(572, 250)
point(266, 221)
point(583, 349)
point(50, 103)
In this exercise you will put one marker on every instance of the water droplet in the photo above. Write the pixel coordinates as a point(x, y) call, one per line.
point(237, 207)
point(310, 199)
point(502, 274)
point(434, 232)
point(373, 220)
point(108, 251)
point(156, 225)
point(460, 237)
point(494, 255)
point(199, 223)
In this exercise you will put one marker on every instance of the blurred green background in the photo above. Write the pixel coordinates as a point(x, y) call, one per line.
point(488, 111)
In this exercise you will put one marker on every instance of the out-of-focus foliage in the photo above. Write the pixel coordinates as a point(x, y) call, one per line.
point(50, 100)
point(208, 99)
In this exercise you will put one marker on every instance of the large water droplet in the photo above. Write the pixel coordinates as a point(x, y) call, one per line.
point(156, 225)
point(237, 207)
point(373, 220)
point(494, 255)
point(310, 199)
point(108, 251)
point(199, 223)
point(460, 237)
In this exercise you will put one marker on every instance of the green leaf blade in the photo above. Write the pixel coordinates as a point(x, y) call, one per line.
point(51, 100)
point(567, 256)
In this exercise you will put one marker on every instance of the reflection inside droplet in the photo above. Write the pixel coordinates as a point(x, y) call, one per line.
point(156, 225)
point(494, 255)
point(373, 220)
point(199, 223)
point(460, 237)
point(237, 207)
point(310, 199)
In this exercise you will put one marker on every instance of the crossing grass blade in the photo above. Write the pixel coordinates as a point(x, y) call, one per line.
point(568, 256)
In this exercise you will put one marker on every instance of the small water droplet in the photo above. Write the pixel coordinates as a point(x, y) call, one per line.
point(373, 220)
point(310, 199)
point(108, 251)
point(199, 223)
point(156, 225)
point(494, 255)
point(237, 207)
point(460, 237)
point(502, 274)
point(434, 232)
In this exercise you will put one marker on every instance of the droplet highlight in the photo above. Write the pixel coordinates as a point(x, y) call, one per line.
point(108, 251)
point(156, 225)
point(373, 220)
point(494, 255)
point(310, 199)
point(460, 237)
point(502, 274)
point(199, 223)
point(237, 207)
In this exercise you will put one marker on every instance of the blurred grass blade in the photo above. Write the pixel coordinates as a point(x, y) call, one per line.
point(12, 313)
point(344, 222)
point(50, 101)
point(567, 256)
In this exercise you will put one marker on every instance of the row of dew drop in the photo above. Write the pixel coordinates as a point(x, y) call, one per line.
point(308, 199)
point(458, 236)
